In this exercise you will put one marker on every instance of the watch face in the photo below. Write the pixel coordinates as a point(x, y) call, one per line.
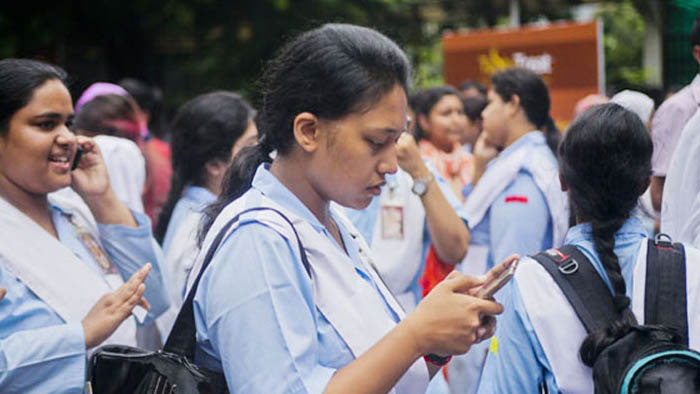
point(419, 188)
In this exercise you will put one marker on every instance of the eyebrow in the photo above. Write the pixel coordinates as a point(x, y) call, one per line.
point(54, 115)
point(387, 130)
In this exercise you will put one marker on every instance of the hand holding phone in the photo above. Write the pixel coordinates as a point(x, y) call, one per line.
point(76, 159)
point(490, 288)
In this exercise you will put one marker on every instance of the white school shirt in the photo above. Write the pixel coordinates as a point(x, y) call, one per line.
point(39, 352)
point(261, 319)
point(538, 335)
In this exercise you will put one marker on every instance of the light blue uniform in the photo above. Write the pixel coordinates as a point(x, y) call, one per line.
point(194, 199)
point(519, 220)
point(521, 364)
point(39, 353)
point(254, 307)
point(365, 220)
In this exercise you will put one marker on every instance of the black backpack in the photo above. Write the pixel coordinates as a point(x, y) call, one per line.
point(650, 358)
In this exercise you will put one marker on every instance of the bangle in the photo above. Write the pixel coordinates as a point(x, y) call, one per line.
point(437, 360)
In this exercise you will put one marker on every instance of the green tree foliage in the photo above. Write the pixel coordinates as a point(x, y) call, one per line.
point(623, 31)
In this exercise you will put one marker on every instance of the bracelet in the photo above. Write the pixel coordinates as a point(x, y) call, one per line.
point(437, 360)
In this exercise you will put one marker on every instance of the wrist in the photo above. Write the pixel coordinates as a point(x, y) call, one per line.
point(409, 327)
point(421, 172)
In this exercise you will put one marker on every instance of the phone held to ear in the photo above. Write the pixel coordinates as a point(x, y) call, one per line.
point(490, 288)
point(76, 159)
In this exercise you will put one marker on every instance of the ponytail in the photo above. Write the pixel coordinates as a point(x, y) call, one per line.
point(177, 185)
point(236, 182)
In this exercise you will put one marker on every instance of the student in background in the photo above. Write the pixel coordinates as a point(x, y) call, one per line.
point(440, 122)
point(605, 164)
point(516, 204)
point(207, 132)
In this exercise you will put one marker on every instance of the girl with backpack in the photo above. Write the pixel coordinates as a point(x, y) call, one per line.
point(540, 343)
point(516, 204)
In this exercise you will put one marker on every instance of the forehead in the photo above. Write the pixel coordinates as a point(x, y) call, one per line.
point(448, 100)
point(391, 109)
point(50, 97)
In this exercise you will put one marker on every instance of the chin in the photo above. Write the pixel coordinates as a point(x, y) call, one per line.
point(358, 203)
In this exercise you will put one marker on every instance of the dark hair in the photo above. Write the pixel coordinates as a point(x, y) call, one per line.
point(149, 98)
point(425, 100)
point(605, 158)
point(474, 106)
point(94, 116)
point(19, 78)
point(470, 83)
point(695, 32)
point(330, 71)
point(204, 129)
point(534, 99)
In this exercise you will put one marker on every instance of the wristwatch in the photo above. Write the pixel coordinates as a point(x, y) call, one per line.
point(420, 185)
point(437, 360)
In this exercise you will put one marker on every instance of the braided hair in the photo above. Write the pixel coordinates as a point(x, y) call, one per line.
point(605, 158)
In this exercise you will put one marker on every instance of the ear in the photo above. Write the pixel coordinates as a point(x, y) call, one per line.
point(696, 53)
point(564, 184)
point(306, 131)
point(424, 124)
point(513, 106)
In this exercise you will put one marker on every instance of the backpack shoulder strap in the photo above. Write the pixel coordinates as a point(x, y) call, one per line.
point(665, 299)
point(182, 339)
point(583, 287)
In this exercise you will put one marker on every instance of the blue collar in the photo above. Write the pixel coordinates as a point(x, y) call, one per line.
point(199, 194)
point(269, 186)
point(633, 228)
point(534, 137)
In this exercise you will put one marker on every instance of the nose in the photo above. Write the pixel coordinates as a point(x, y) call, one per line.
point(388, 163)
point(65, 137)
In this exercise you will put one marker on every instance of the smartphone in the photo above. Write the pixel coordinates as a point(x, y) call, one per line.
point(76, 159)
point(497, 283)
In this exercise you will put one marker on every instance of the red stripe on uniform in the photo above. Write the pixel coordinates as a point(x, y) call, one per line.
point(521, 199)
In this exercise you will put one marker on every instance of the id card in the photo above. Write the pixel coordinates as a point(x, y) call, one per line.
point(392, 222)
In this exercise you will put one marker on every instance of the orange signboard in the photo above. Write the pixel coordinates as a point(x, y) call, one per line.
point(568, 56)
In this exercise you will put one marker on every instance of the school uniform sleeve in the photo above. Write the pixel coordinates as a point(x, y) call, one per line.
point(520, 220)
point(255, 313)
point(43, 360)
point(130, 249)
point(516, 362)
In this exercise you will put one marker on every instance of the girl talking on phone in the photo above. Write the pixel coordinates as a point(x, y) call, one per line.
point(74, 269)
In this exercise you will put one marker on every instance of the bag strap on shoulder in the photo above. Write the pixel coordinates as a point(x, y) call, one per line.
point(583, 287)
point(665, 299)
point(182, 339)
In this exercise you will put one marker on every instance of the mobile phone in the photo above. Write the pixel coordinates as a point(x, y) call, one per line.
point(76, 159)
point(490, 288)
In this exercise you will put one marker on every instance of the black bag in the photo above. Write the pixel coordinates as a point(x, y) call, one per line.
point(650, 358)
point(116, 369)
